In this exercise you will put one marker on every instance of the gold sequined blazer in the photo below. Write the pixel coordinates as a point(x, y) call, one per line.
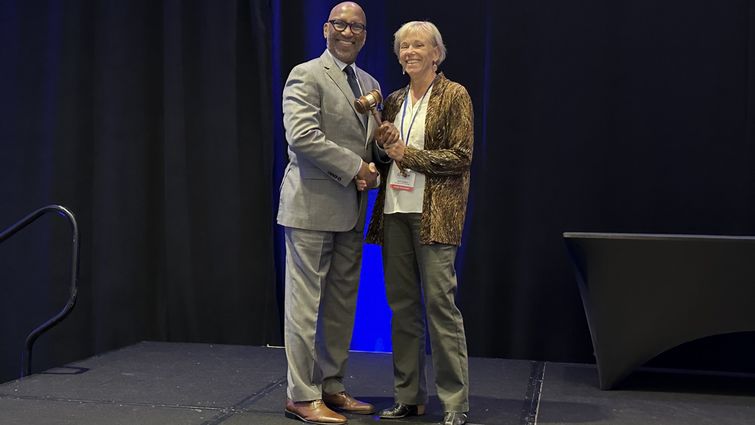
point(445, 161)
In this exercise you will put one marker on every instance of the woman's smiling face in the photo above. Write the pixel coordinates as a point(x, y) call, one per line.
point(417, 54)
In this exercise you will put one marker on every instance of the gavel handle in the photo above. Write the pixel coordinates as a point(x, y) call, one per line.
point(377, 117)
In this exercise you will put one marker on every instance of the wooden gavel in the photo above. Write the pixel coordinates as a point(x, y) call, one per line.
point(368, 103)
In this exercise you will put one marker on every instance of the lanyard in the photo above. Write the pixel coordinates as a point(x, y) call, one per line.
point(419, 106)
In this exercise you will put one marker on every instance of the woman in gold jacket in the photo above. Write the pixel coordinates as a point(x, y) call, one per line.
point(419, 218)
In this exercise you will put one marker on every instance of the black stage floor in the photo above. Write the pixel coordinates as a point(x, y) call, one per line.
point(169, 383)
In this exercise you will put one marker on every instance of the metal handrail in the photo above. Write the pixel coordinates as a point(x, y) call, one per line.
point(12, 230)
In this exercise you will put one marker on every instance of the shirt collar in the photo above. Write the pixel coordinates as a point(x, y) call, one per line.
point(341, 65)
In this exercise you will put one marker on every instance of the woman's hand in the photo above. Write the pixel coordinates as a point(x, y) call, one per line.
point(395, 150)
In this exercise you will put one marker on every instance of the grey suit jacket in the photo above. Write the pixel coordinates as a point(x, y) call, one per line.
point(327, 140)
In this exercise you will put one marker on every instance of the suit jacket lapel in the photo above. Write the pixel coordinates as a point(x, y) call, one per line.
point(364, 91)
point(339, 78)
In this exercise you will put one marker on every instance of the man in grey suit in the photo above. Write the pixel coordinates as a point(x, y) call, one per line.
point(322, 208)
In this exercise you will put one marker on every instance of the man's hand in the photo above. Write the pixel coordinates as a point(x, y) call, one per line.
point(395, 150)
point(367, 177)
point(386, 134)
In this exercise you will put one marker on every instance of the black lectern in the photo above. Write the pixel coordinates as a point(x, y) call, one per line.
point(644, 294)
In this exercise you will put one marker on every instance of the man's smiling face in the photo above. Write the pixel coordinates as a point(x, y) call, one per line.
point(345, 45)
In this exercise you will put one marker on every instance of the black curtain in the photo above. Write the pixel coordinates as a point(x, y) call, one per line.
point(159, 125)
point(629, 116)
point(152, 122)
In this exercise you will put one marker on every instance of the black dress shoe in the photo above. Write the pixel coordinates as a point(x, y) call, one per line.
point(401, 410)
point(455, 418)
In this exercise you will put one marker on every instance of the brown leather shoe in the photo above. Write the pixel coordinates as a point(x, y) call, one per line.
point(346, 403)
point(313, 412)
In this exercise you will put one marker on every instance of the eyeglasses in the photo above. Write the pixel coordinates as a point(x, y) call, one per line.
point(340, 26)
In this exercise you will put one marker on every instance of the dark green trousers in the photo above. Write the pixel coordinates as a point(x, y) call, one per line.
point(420, 281)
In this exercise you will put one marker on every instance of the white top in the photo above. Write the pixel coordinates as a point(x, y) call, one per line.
point(403, 201)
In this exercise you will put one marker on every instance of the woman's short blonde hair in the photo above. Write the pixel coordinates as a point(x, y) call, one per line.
point(426, 28)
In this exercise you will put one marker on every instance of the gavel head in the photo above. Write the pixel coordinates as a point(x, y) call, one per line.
point(368, 102)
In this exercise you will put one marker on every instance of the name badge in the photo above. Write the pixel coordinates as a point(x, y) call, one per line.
point(404, 180)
